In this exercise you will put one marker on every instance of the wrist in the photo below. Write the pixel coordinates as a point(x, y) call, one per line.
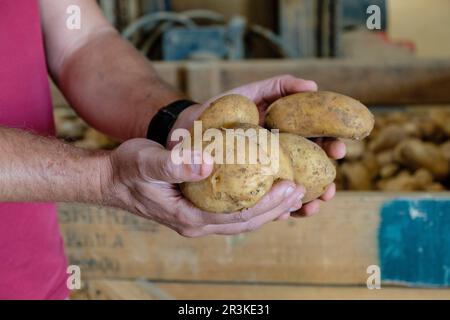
point(162, 123)
point(102, 168)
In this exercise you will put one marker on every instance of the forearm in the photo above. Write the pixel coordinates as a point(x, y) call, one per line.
point(39, 169)
point(113, 87)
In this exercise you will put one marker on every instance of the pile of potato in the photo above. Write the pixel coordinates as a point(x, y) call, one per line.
point(408, 150)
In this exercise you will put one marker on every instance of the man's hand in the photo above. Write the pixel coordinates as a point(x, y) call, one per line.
point(263, 93)
point(142, 179)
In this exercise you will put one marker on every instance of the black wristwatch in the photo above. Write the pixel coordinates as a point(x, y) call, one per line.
point(161, 124)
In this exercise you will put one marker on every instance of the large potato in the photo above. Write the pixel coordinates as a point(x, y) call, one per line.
point(320, 114)
point(312, 168)
point(232, 187)
point(230, 110)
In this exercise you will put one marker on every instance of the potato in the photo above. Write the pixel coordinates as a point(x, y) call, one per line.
point(232, 187)
point(404, 181)
point(312, 168)
point(389, 170)
point(423, 178)
point(356, 176)
point(435, 187)
point(285, 170)
point(370, 162)
point(388, 138)
point(320, 114)
point(230, 110)
point(416, 154)
point(385, 157)
point(445, 150)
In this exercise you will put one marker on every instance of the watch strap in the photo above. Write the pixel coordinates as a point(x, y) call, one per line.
point(161, 124)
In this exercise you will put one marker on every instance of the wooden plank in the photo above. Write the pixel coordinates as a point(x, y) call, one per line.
point(406, 81)
point(107, 289)
point(334, 247)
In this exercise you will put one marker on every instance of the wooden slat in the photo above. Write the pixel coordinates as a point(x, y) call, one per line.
point(407, 81)
point(106, 289)
point(334, 247)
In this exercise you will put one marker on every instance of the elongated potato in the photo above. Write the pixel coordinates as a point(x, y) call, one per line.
point(320, 114)
point(312, 168)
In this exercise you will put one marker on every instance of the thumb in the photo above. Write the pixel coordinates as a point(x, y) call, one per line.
point(165, 166)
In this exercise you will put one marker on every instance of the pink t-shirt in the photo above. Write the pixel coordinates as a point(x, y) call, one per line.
point(32, 260)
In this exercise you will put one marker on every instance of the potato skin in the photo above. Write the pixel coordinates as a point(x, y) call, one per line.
point(320, 114)
point(231, 187)
point(285, 169)
point(229, 110)
point(312, 168)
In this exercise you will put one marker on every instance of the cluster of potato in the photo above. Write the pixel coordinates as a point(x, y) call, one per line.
point(236, 186)
point(408, 150)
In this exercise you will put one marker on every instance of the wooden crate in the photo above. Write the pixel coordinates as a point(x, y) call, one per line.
point(122, 256)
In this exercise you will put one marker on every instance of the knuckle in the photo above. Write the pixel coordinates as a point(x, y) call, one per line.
point(141, 156)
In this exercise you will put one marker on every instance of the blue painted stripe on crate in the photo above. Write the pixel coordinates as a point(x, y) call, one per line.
point(414, 242)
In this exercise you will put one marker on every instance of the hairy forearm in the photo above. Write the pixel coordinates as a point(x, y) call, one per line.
point(113, 87)
point(40, 169)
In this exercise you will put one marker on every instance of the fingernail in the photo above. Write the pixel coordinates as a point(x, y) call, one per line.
point(293, 209)
point(196, 169)
point(301, 196)
point(288, 192)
